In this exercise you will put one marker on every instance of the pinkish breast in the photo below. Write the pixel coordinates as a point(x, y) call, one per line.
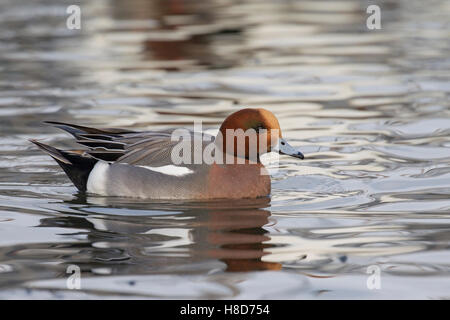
point(238, 181)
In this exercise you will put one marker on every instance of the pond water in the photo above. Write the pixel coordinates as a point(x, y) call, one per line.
point(368, 108)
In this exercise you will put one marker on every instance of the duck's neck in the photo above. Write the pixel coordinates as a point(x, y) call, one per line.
point(224, 157)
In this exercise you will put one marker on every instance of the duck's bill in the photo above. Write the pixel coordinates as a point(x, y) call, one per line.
point(285, 148)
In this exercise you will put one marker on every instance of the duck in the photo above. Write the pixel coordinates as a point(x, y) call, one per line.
point(146, 164)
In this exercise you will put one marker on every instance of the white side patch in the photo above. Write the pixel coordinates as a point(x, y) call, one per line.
point(170, 170)
point(97, 178)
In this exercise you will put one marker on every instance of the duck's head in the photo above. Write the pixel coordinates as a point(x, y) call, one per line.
point(260, 130)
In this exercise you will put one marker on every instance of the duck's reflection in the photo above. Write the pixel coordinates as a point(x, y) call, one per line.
point(237, 238)
point(146, 237)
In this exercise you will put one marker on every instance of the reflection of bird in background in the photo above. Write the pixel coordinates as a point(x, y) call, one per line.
point(165, 43)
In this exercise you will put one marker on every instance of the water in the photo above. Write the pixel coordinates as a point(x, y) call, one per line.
point(369, 109)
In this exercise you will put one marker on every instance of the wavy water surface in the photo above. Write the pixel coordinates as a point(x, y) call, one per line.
point(368, 108)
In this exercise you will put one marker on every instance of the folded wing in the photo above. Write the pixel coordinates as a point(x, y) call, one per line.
point(148, 148)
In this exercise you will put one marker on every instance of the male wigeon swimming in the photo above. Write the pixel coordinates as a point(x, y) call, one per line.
point(140, 164)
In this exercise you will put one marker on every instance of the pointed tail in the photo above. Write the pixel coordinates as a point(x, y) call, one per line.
point(76, 164)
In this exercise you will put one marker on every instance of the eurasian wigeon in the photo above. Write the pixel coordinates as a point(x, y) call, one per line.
point(127, 163)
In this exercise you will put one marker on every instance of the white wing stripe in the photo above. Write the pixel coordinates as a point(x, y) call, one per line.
point(170, 170)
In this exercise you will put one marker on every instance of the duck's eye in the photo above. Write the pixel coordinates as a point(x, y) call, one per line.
point(283, 143)
point(259, 128)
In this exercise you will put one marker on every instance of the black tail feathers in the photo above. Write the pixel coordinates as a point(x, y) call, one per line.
point(76, 164)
